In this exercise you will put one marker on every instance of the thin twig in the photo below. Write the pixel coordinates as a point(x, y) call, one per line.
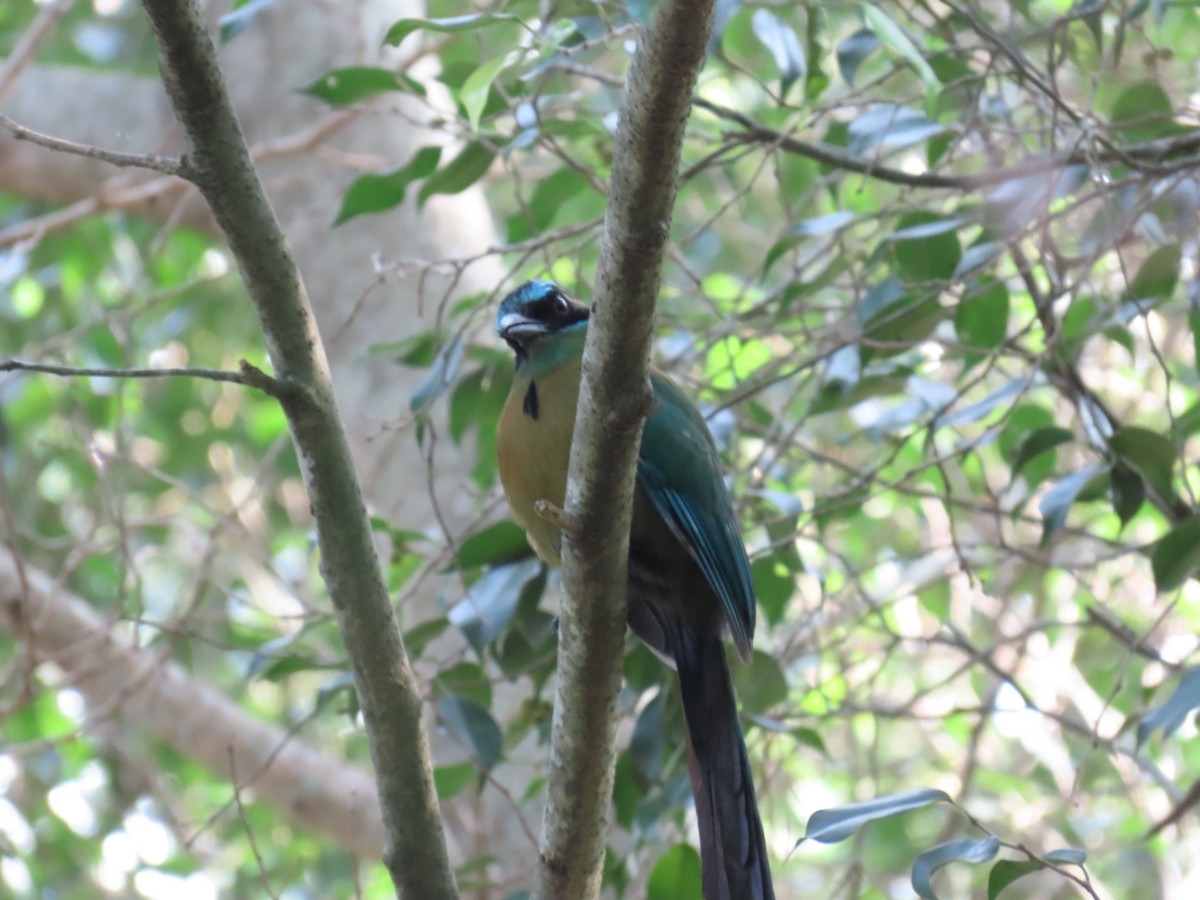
point(249, 376)
point(168, 165)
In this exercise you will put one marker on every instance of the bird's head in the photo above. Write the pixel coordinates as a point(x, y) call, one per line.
point(536, 312)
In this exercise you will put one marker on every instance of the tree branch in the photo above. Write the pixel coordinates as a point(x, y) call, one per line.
point(160, 699)
point(168, 165)
point(249, 376)
point(223, 171)
point(614, 399)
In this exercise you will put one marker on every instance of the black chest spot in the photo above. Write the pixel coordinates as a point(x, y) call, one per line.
point(530, 405)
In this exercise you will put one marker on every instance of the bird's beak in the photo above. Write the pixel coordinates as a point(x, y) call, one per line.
point(516, 327)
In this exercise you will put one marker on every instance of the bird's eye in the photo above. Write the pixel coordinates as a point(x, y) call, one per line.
point(561, 305)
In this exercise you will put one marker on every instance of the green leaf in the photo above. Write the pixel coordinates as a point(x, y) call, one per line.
point(1176, 557)
point(853, 50)
point(1143, 112)
point(676, 874)
point(1148, 453)
point(1057, 501)
point(1006, 871)
point(500, 543)
point(803, 230)
point(419, 636)
point(376, 193)
point(1157, 276)
point(341, 87)
point(832, 825)
point(449, 780)
point(460, 173)
point(970, 850)
point(452, 25)
point(474, 726)
point(1128, 492)
point(981, 317)
point(895, 37)
point(762, 684)
point(1038, 442)
point(774, 585)
point(927, 247)
point(781, 42)
point(474, 91)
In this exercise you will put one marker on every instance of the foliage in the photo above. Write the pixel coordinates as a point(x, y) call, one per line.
point(932, 274)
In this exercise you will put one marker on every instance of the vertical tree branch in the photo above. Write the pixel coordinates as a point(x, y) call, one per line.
point(218, 161)
point(614, 399)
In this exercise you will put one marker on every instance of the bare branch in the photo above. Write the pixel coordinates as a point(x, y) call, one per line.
point(249, 376)
point(168, 165)
point(22, 55)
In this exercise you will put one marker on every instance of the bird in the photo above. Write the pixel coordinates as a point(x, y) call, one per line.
point(688, 579)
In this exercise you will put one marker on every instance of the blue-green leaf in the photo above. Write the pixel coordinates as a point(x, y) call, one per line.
point(474, 726)
point(888, 31)
point(971, 850)
point(1057, 501)
point(441, 375)
point(832, 825)
point(853, 50)
point(234, 23)
point(780, 39)
point(1172, 714)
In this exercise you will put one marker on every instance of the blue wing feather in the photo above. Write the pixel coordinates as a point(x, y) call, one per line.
point(679, 472)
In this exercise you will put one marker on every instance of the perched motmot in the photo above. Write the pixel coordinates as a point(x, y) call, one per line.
point(689, 578)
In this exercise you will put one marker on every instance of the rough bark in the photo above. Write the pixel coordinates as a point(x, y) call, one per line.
point(614, 399)
point(219, 163)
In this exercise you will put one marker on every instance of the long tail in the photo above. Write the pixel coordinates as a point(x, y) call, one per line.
point(733, 852)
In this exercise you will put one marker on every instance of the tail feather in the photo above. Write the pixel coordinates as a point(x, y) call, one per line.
point(733, 851)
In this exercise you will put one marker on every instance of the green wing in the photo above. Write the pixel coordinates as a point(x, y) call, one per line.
point(679, 471)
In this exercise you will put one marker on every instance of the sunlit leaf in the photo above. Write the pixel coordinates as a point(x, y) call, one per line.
point(453, 25)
